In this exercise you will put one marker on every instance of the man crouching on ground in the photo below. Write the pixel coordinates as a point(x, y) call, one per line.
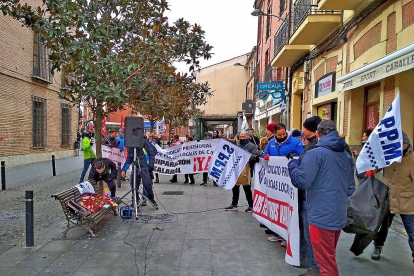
point(327, 172)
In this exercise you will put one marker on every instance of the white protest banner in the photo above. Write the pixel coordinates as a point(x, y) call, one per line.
point(385, 144)
point(114, 154)
point(275, 203)
point(190, 157)
point(227, 163)
point(85, 188)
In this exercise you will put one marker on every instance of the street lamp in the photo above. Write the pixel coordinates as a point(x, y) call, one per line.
point(257, 12)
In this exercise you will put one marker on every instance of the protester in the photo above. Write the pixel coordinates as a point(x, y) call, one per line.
point(270, 131)
point(254, 139)
point(155, 141)
point(111, 139)
point(189, 175)
point(296, 134)
point(205, 174)
point(145, 158)
point(355, 153)
point(216, 135)
point(283, 144)
point(327, 172)
point(310, 126)
point(263, 143)
point(399, 177)
point(175, 142)
point(121, 140)
point(246, 145)
point(88, 154)
point(105, 170)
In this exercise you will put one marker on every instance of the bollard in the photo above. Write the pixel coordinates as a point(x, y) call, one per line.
point(53, 165)
point(118, 175)
point(3, 175)
point(29, 219)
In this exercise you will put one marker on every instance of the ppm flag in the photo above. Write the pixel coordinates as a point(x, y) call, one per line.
point(227, 162)
point(385, 144)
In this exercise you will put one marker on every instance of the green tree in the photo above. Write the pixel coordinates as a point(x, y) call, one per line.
point(117, 51)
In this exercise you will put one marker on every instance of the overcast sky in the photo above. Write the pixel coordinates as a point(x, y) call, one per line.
point(229, 27)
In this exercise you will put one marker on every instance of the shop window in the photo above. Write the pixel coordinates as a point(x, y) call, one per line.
point(372, 105)
point(328, 111)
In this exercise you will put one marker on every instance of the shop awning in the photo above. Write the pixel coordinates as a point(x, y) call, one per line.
point(392, 64)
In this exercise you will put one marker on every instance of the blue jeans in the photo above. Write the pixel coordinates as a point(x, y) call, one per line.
point(86, 164)
point(309, 251)
point(408, 221)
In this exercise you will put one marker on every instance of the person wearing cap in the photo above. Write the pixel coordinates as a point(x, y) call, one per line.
point(327, 173)
point(270, 131)
point(399, 177)
point(88, 154)
point(121, 140)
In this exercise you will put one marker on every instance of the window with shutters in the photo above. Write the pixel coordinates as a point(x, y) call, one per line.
point(39, 122)
point(66, 122)
point(41, 62)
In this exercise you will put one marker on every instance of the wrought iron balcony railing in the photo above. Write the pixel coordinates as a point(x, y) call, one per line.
point(303, 8)
point(282, 35)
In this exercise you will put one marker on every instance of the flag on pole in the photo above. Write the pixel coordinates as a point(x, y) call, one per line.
point(103, 128)
point(161, 127)
point(245, 125)
point(385, 144)
point(122, 123)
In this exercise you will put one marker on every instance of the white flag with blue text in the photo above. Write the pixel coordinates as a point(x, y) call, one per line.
point(385, 144)
point(227, 163)
point(161, 127)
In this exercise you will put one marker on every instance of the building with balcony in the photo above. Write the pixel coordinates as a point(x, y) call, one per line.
point(269, 109)
point(347, 61)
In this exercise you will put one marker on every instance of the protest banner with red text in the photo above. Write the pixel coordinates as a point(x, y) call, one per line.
point(114, 154)
point(189, 157)
point(275, 203)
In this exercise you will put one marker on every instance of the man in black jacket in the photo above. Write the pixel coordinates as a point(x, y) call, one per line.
point(145, 166)
point(255, 154)
point(105, 170)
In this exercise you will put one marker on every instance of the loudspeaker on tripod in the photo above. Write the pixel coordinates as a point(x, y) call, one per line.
point(134, 132)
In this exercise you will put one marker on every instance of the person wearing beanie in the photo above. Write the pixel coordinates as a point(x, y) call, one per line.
point(310, 126)
point(296, 134)
point(270, 131)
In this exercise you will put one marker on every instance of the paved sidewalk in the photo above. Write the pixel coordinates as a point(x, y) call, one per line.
point(33, 172)
point(193, 242)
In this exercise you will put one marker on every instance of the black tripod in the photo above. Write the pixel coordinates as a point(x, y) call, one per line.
point(135, 190)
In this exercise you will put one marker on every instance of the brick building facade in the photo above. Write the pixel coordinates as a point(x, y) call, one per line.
point(35, 123)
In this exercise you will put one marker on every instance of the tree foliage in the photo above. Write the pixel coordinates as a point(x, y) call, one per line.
point(115, 52)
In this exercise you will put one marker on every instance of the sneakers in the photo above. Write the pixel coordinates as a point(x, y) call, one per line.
point(203, 184)
point(376, 254)
point(231, 208)
point(144, 203)
point(274, 238)
point(283, 243)
point(185, 182)
point(173, 181)
point(157, 180)
point(249, 210)
point(215, 184)
point(192, 183)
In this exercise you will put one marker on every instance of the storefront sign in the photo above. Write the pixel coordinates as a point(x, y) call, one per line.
point(325, 85)
point(395, 63)
point(270, 86)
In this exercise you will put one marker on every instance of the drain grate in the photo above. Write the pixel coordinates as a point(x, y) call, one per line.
point(173, 193)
